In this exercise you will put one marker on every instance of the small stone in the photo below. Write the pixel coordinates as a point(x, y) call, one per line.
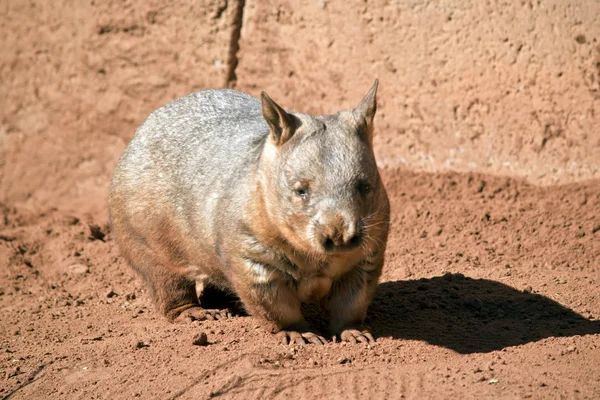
point(140, 344)
point(528, 289)
point(568, 350)
point(435, 230)
point(448, 276)
point(200, 339)
point(481, 186)
point(476, 303)
point(312, 362)
point(459, 277)
point(71, 220)
point(344, 360)
point(493, 381)
point(96, 232)
point(79, 269)
point(111, 293)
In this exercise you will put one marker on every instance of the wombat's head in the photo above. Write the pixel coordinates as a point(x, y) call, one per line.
point(320, 180)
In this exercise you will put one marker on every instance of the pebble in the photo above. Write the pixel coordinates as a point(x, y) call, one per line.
point(200, 339)
point(140, 344)
point(568, 350)
point(476, 303)
point(79, 269)
point(436, 230)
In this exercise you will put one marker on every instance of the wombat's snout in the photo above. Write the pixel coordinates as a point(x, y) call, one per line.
point(338, 233)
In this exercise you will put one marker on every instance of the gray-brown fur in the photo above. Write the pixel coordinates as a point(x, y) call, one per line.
point(277, 207)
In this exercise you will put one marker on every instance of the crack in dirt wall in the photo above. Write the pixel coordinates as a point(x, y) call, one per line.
point(234, 44)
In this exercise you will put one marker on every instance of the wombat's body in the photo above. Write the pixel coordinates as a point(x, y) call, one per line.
point(279, 208)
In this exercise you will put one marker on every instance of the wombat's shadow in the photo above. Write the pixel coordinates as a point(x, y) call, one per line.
point(470, 315)
point(463, 314)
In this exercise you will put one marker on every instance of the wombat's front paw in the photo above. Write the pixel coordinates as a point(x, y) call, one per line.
point(356, 336)
point(200, 314)
point(294, 337)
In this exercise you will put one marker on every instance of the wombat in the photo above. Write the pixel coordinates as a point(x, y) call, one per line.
point(277, 207)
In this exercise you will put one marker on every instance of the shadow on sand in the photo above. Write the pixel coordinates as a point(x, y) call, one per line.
point(470, 315)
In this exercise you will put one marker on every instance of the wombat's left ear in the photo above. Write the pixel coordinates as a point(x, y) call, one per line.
point(282, 124)
point(365, 111)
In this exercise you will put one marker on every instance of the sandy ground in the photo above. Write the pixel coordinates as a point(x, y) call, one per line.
point(491, 287)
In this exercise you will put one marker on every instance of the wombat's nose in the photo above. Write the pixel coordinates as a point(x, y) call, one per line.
point(340, 234)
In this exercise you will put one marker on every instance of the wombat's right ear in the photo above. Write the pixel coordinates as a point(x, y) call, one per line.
point(368, 105)
point(282, 124)
point(364, 113)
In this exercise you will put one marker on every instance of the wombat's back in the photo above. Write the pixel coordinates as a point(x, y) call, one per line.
point(195, 134)
point(186, 160)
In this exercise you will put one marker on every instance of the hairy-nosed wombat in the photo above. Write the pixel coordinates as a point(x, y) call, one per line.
point(277, 207)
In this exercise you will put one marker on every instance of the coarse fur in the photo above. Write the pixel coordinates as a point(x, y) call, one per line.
point(277, 207)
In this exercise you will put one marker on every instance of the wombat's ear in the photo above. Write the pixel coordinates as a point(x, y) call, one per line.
point(282, 124)
point(365, 111)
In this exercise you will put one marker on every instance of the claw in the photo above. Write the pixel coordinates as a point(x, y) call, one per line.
point(314, 338)
point(355, 336)
point(300, 338)
point(348, 336)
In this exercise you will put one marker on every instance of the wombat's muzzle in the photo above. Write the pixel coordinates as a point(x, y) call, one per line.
point(339, 234)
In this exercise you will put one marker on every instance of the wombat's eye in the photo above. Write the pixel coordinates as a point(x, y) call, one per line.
point(301, 190)
point(364, 187)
